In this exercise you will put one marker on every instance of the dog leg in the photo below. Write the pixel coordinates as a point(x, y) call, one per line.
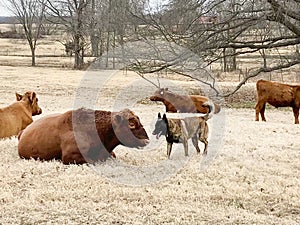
point(195, 143)
point(203, 135)
point(206, 144)
point(169, 149)
point(186, 148)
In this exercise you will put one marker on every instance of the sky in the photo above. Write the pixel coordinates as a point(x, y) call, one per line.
point(5, 12)
point(3, 9)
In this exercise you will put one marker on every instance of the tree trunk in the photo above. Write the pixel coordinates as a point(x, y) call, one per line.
point(78, 54)
point(234, 64)
point(107, 48)
point(264, 58)
point(32, 55)
point(114, 45)
point(102, 39)
point(95, 44)
point(224, 60)
point(94, 37)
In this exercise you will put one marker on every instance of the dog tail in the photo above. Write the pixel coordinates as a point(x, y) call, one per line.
point(211, 109)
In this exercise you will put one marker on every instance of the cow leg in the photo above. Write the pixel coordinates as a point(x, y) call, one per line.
point(195, 143)
point(260, 108)
point(113, 155)
point(257, 110)
point(169, 149)
point(296, 114)
point(262, 112)
point(73, 158)
point(71, 153)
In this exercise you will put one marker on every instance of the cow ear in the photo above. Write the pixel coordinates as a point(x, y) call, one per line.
point(18, 97)
point(32, 96)
point(159, 116)
point(118, 118)
point(166, 89)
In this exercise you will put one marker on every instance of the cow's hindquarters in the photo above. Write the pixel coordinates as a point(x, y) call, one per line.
point(40, 140)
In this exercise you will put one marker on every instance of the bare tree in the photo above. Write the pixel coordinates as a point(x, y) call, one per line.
point(30, 14)
point(225, 29)
point(73, 16)
point(110, 23)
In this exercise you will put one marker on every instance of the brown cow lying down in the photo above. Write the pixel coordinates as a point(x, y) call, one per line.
point(277, 95)
point(70, 137)
point(183, 103)
point(18, 115)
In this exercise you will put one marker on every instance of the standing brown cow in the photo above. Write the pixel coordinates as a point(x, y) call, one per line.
point(278, 95)
point(183, 103)
point(81, 136)
point(17, 116)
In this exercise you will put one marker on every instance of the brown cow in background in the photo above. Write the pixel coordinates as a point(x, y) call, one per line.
point(183, 103)
point(18, 115)
point(278, 95)
point(81, 136)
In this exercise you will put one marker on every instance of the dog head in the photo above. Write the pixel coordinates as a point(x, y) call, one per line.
point(161, 126)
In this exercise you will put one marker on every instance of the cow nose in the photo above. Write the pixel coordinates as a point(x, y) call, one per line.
point(146, 141)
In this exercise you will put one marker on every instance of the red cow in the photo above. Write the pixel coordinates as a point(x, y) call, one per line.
point(81, 136)
point(278, 95)
point(183, 103)
point(18, 115)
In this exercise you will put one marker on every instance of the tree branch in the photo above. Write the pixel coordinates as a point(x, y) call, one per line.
point(261, 70)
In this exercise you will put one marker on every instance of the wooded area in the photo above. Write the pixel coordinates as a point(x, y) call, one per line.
point(214, 31)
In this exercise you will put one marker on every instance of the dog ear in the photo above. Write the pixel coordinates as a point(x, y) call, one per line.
point(18, 97)
point(159, 116)
point(164, 117)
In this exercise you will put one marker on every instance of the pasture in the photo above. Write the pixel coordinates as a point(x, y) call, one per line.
point(250, 175)
point(253, 177)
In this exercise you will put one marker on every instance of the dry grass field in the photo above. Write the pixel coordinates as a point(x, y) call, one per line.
point(252, 178)
point(250, 175)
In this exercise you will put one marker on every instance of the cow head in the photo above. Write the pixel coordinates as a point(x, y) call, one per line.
point(161, 126)
point(32, 100)
point(129, 130)
point(159, 94)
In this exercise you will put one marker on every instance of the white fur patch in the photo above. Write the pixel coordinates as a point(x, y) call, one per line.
point(183, 115)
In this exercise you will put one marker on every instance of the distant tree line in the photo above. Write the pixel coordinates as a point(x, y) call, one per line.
point(217, 31)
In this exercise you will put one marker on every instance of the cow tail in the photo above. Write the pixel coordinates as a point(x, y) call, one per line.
point(211, 109)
